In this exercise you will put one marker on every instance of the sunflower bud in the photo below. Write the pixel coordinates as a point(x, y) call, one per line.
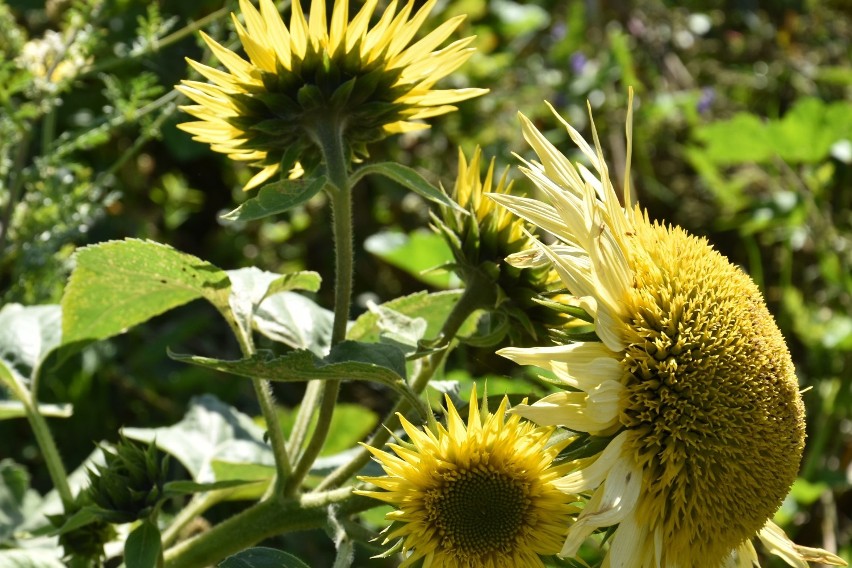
point(480, 242)
point(129, 486)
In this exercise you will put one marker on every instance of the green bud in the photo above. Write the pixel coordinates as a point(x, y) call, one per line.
point(129, 486)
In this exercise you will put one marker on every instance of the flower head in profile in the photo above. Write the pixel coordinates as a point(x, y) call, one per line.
point(690, 382)
point(363, 82)
point(480, 239)
point(479, 494)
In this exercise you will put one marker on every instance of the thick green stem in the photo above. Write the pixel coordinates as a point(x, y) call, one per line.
point(467, 304)
point(263, 520)
point(328, 134)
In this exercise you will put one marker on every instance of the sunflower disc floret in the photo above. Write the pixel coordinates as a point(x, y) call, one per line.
point(474, 495)
point(691, 380)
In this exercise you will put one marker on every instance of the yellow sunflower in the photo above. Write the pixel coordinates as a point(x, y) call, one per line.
point(362, 82)
point(480, 494)
point(691, 381)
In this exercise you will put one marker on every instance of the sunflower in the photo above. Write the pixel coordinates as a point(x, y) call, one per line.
point(474, 495)
point(362, 82)
point(690, 382)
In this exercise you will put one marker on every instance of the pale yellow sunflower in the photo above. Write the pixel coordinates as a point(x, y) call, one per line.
point(691, 381)
point(365, 82)
point(480, 494)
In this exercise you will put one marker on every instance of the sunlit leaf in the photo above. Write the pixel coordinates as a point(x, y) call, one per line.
point(119, 284)
point(28, 334)
point(409, 179)
point(210, 430)
point(295, 321)
point(277, 197)
point(419, 253)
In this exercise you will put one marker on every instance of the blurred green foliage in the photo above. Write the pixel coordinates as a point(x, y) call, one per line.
point(743, 134)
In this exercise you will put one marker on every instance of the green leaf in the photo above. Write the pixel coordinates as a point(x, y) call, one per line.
point(84, 516)
point(375, 362)
point(28, 334)
point(184, 487)
point(409, 179)
point(262, 557)
point(419, 253)
point(277, 197)
point(143, 546)
point(743, 138)
point(432, 308)
point(119, 284)
point(295, 321)
point(210, 430)
point(261, 474)
point(30, 558)
point(17, 500)
point(14, 409)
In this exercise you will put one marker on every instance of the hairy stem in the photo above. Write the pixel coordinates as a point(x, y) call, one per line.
point(327, 133)
point(263, 520)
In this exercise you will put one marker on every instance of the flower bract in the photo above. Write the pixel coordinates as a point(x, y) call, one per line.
point(690, 380)
point(364, 82)
point(475, 494)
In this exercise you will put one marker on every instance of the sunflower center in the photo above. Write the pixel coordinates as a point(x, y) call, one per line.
point(479, 510)
point(712, 402)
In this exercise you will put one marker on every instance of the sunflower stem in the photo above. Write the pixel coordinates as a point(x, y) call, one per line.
point(328, 135)
point(469, 302)
point(263, 520)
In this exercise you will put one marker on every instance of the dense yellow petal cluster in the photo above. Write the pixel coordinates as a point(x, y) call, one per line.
point(476, 494)
point(690, 380)
point(366, 81)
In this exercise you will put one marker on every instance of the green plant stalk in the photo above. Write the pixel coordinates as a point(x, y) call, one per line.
point(303, 418)
point(267, 406)
point(470, 301)
point(327, 133)
point(44, 438)
point(261, 521)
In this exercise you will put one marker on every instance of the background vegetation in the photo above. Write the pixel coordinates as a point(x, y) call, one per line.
point(743, 134)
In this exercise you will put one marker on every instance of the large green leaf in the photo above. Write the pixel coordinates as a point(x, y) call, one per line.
point(262, 557)
point(119, 284)
point(210, 430)
point(295, 321)
point(277, 197)
point(28, 334)
point(251, 286)
point(432, 308)
point(348, 360)
point(421, 253)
